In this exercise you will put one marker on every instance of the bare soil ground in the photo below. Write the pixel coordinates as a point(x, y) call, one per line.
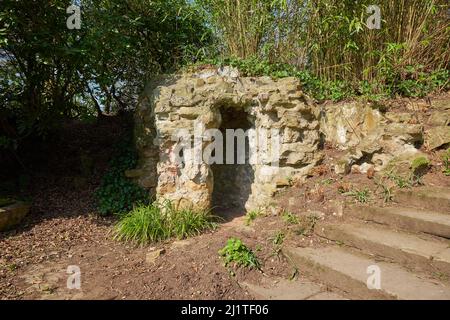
point(63, 229)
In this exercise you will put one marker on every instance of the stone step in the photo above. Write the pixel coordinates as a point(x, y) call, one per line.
point(283, 289)
point(414, 251)
point(431, 198)
point(409, 219)
point(350, 272)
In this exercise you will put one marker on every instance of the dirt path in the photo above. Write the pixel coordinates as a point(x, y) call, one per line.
point(34, 261)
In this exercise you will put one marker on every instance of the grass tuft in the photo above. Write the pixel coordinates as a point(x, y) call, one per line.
point(157, 222)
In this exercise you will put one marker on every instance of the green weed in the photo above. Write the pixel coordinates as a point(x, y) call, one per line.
point(362, 196)
point(237, 253)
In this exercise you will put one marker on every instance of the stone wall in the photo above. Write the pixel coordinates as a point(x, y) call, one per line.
point(372, 137)
point(378, 136)
point(185, 101)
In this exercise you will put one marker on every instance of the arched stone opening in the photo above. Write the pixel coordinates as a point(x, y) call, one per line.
point(234, 177)
point(170, 113)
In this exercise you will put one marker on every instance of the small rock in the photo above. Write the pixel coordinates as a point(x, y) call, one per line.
point(437, 136)
point(151, 257)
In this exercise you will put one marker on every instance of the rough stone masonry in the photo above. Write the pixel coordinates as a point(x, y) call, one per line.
point(182, 102)
point(220, 99)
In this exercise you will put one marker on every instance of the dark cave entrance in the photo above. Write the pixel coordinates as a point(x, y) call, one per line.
point(232, 182)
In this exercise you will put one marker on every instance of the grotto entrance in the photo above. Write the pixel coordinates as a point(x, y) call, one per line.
point(233, 179)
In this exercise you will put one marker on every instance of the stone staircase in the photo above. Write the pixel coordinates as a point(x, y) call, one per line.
point(409, 243)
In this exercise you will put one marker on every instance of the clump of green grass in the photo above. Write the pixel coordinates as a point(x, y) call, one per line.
point(157, 222)
point(278, 238)
point(446, 162)
point(401, 182)
point(362, 196)
point(290, 218)
point(387, 194)
point(237, 253)
point(277, 242)
point(251, 216)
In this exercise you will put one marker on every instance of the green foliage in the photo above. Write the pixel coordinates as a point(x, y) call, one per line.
point(418, 168)
point(117, 194)
point(49, 73)
point(251, 216)
point(446, 162)
point(290, 218)
point(386, 190)
point(337, 90)
point(160, 221)
point(277, 242)
point(327, 45)
point(362, 196)
point(239, 254)
point(419, 165)
point(278, 238)
point(400, 181)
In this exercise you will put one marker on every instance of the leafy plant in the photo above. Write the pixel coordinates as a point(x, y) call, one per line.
point(239, 254)
point(117, 194)
point(290, 218)
point(251, 216)
point(278, 238)
point(400, 181)
point(386, 191)
point(446, 162)
point(157, 222)
point(361, 196)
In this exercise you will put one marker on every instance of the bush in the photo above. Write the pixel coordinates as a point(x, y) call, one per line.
point(117, 194)
point(409, 81)
point(238, 253)
point(157, 222)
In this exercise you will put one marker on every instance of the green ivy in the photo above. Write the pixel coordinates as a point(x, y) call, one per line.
point(409, 82)
point(117, 194)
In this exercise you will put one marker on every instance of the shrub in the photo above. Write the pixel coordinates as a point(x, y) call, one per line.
point(117, 194)
point(406, 81)
point(238, 253)
point(157, 222)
